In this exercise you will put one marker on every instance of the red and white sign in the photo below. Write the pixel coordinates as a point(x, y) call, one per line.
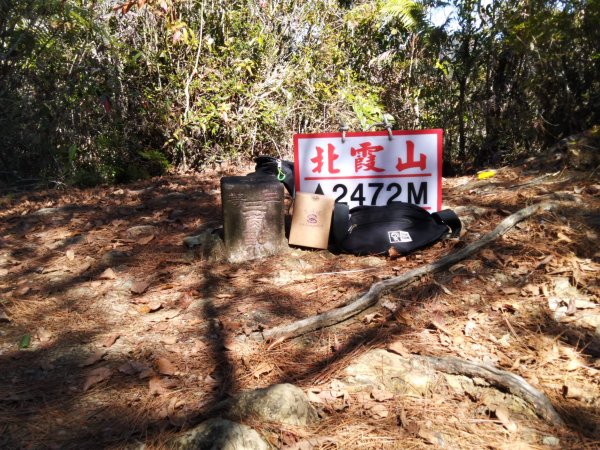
point(370, 169)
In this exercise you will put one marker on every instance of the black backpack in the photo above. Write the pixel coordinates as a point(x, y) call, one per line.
point(269, 166)
point(372, 230)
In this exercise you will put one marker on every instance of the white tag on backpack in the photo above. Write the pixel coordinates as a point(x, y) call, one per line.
point(399, 236)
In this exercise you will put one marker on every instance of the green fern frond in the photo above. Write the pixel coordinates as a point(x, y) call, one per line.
point(403, 11)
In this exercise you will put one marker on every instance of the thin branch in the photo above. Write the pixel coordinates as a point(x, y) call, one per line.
point(195, 69)
point(515, 384)
point(372, 296)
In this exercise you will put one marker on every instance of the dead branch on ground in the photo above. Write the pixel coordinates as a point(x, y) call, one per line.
point(514, 384)
point(371, 298)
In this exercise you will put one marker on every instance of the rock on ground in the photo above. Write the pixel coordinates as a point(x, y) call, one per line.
point(280, 403)
point(220, 434)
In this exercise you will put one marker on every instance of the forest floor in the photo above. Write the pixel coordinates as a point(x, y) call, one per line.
point(113, 332)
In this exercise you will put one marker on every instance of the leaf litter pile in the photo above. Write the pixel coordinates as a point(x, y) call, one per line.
point(114, 333)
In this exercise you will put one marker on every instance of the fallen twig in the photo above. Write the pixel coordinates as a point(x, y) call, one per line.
point(507, 380)
point(369, 299)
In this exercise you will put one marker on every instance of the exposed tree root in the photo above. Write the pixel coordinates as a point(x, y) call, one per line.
point(507, 380)
point(372, 296)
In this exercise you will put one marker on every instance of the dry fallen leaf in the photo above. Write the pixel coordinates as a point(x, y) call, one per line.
point(399, 348)
point(379, 411)
point(165, 367)
point(110, 340)
point(262, 369)
point(381, 395)
point(132, 367)
point(156, 386)
point(402, 418)
point(313, 396)
point(444, 288)
point(108, 274)
point(143, 309)
point(139, 287)
point(169, 340)
point(438, 323)
point(276, 342)
point(146, 373)
point(393, 253)
point(470, 327)
point(211, 381)
point(328, 396)
point(85, 265)
point(391, 306)
point(43, 335)
point(155, 305)
point(375, 317)
point(24, 290)
point(434, 438)
point(572, 365)
point(145, 240)
point(503, 416)
point(96, 376)
point(563, 237)
point(311, 443)
point(93, 358)
point(336, 346)
point(185, 300)
point(490, 257)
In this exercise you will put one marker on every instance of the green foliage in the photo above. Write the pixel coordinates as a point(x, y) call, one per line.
point(89, 95)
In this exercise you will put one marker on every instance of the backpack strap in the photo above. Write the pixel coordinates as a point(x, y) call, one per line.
point(450, 219)
point(340, 223)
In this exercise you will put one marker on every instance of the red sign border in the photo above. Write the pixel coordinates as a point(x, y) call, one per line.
point(437, 131)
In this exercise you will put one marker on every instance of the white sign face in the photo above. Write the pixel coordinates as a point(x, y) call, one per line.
point(370, 169)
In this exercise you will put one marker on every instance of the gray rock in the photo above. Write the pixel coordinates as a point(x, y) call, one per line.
point(114, 257)
point(194, 241)
point(551, 441)
point(220, 434)
point(212, 245)
point(380, 368)
point(374, 261)
point(141, 230)
point(280, 403)
point(176, 196)
point(47, 211)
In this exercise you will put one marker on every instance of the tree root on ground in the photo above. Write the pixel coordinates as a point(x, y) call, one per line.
point(371, 298)
point(501, 378)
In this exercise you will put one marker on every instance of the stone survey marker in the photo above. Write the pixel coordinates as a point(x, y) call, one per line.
point(253, 217)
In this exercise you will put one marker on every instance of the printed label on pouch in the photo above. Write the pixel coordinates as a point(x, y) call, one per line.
point(399, 236)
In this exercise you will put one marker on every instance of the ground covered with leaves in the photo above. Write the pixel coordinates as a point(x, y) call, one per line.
point(114, 333)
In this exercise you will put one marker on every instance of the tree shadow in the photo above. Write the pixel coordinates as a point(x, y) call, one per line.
point(43, 391)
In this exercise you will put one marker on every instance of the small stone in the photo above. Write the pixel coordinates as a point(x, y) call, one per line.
point(392, 372)
point(220, 434)
point(141, 230)
point(473, 299)
point(114, 257)
point(176, 196)
point(4, 317)
point(551, 441)
point(374, 261)
point(280, 403)
point(194, 241)
point(47, 211)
